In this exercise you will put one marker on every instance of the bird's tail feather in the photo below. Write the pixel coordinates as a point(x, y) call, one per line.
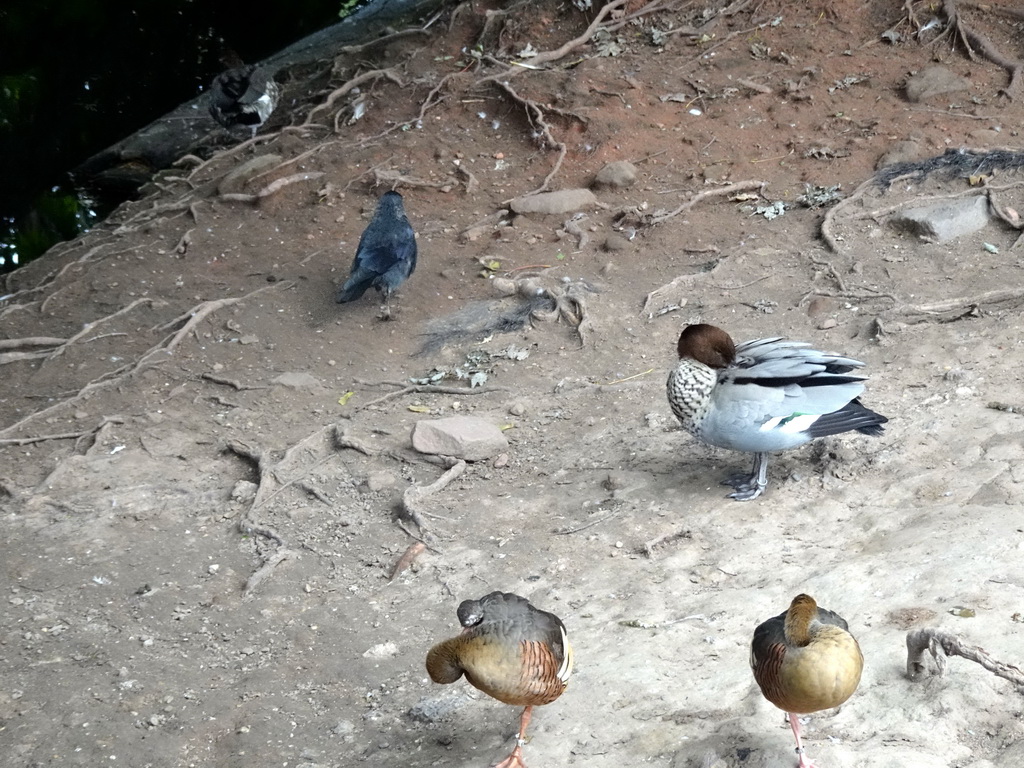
point(354, 287)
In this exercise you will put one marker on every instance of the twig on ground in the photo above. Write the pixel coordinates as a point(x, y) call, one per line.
point(196, 315)
point(230, 382)
point(342, 439)
point(275, 186)
point(942, 644)
point(77, 436)
point(547, 56)
point(406, 560)
point(266, 570)
point(728, 189)
point(591, 524)
point(391, 73)
point(666, 538)
point(830, 215)
point(433, 389)
point(535, 115)
point(412, 500)
point(995, 405)
point(315, 492)
point(962, 305)
point(393, 179)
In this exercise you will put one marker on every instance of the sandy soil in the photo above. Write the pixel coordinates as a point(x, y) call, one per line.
point(206, 342)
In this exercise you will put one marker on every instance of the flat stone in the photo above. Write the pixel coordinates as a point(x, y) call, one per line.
point(616, 242)
point(465, 437)
point(563, 201)
point(378, 481)
point(934, 81)
point(900, 152)
point(297, 380)
point(944, 221)
point(435, 709)
point(236, 180)
point(618, 175)
point(381, 651)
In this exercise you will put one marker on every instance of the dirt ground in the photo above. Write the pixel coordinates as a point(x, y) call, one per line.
point(200, 521)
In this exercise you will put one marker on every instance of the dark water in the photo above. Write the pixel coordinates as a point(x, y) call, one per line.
point(78, 75)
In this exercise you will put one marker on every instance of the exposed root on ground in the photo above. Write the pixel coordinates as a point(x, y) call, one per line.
point(960, 307)
point(943, 644)
point(196, 315)
point(433, 389)
point(414, 511)
point(167, 345)
point(542, 130)
point(90, 433)
point(637, 218)
point(274, 186)
point(959, 33)
point(249, 525)
point(551, 300)
point(391, 73)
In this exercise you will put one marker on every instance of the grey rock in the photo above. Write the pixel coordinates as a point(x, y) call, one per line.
point(900, 152)
point(618, 175)
point(934, 81)
point(244, 491)
point(236, 180)
point(378, 481)
point(434, 709)
point(464, 437)
point(944, 221)
point(297, 380)
point(616, 242)
point(563, 201)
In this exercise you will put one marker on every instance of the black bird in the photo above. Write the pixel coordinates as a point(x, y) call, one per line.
point(243, 96)
point(386, 254)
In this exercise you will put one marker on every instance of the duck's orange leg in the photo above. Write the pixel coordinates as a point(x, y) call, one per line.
point(515, 760)
point(794, 723)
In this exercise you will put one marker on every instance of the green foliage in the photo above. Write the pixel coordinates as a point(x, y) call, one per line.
point(348, 7)
point(56, 216)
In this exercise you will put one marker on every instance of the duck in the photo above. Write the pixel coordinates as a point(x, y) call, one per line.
point(243, 95)
point(805, 660)
point(386, 255)
point(762, 396)
point(510, 650)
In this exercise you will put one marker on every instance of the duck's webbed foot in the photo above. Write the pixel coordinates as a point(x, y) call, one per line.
point(749, 486)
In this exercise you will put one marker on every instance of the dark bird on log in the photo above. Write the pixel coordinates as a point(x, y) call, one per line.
point(243, 95)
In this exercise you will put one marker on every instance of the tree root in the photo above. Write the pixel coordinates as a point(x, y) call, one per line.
point(76, 436)
point(266, 570)
point(414, 511)
point(728, 189)
point(433, 389)
point(960, 307)
point(196, 315)
point(943, 644)
point(543, 131)
point(168, 345)
point(959, 32)
point(270, 189)
point(391, 73)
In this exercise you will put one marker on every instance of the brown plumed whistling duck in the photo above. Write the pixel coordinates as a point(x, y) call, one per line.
point(511, 651)
point(805, 660)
